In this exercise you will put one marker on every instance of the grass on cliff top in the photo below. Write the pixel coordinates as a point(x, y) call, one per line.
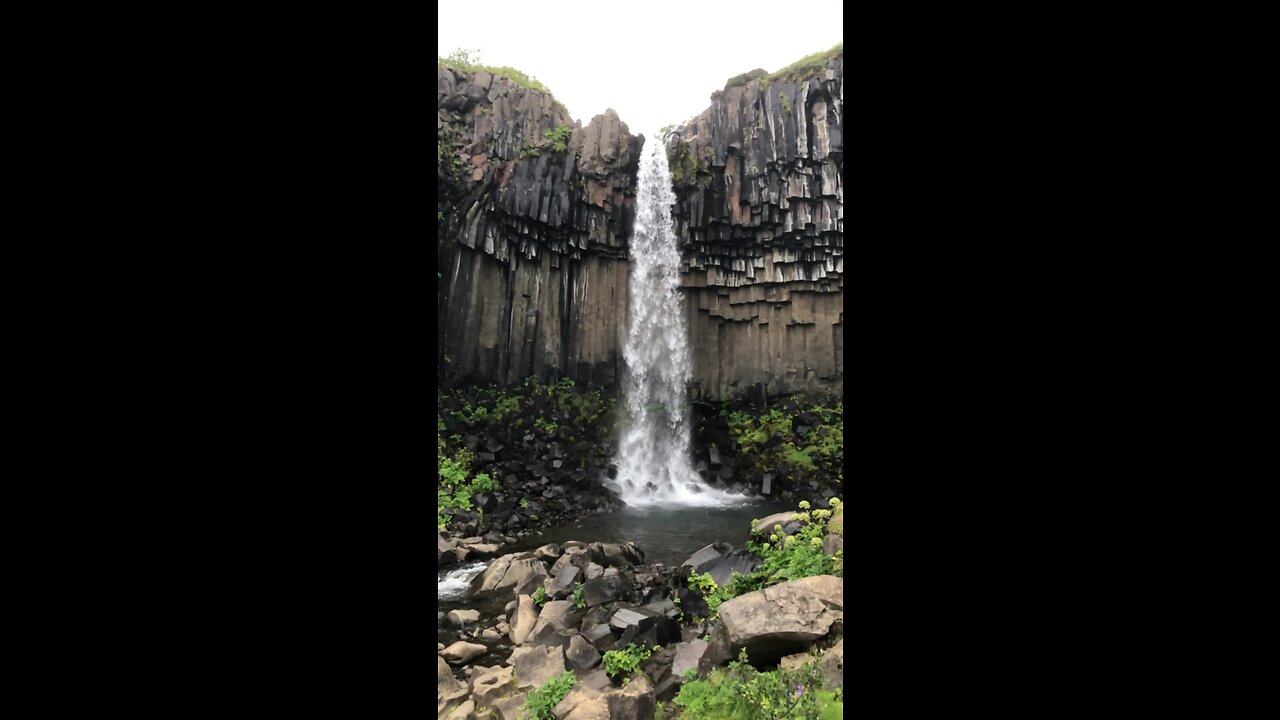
point(468, 61)
point(806, 67)
point(809, 65)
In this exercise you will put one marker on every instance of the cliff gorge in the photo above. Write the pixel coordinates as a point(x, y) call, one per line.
point(760, 208)
point(534, 214)
point(536, 211)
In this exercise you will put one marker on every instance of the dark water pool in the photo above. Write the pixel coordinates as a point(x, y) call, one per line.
point(666, 535)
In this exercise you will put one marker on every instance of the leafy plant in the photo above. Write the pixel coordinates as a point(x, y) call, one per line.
point(812, 448)
point(546, 427)
point(541, 701)
point(625, 661)
point(559, 137)
point(540, 596)
point(524, 503)
point(713, 593)
point(577, 596)
point(792, 557)
point(740, 692)
point(455, 490)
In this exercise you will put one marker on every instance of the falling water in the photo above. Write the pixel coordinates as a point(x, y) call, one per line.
point(653, 457)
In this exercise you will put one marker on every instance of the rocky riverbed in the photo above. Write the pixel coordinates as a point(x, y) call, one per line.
point(531, 616)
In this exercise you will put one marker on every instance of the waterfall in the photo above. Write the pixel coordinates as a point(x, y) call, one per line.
point(653, 455)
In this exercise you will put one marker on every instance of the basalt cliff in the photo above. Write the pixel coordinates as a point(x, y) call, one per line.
point(535, 210)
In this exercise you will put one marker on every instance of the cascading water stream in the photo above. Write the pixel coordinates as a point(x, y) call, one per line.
point(653, 455)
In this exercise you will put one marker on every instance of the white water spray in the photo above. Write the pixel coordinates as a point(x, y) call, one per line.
point(653, 457)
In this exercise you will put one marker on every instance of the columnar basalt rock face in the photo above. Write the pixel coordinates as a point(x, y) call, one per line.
point(760, 212)
point(533, 249)
point(533, 240)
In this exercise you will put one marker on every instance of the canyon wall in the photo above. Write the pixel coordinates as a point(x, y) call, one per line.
point(535, 214)
point(760, 213)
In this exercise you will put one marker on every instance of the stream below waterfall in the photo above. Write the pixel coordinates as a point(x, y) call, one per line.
point(666, 535)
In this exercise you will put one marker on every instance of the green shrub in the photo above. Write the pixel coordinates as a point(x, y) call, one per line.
point(577, 596)
point(559, 137)
point(706, 586)
point(542, 700)
point(625, 661)
point(792, 557)
point(540, 596)
point(454, 490)
point(817, 454)
point(785, 557)
point(546, 427)
point(740, 692)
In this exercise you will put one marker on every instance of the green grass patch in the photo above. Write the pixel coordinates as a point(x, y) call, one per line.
point(469, 61)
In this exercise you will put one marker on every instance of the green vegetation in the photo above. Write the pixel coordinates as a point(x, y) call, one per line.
point(809, 65)
point(803, 69)
point(786, 557)
point(624, 662)
point(577, 596)
point(546, 427)
point(521, 406)
point(469, 61)
point(455, 489)
point(684, 165)
point(786, 102)
point(540, 597)
point(740, 692)
point(714, 594)
point(559, 137)
point(745, 78)
point(579, 417)
point(542, 700)
point(766, 441)
point(792, 557)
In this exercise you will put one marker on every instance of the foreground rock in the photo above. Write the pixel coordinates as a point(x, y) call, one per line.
point(461, 652)
point(534, 666)
point(776, 621)
point(832, 666)
point(509, 571)
point(525, 618)
point(448, 688)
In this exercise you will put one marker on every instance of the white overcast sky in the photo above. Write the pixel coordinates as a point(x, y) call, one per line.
point(655, 62)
